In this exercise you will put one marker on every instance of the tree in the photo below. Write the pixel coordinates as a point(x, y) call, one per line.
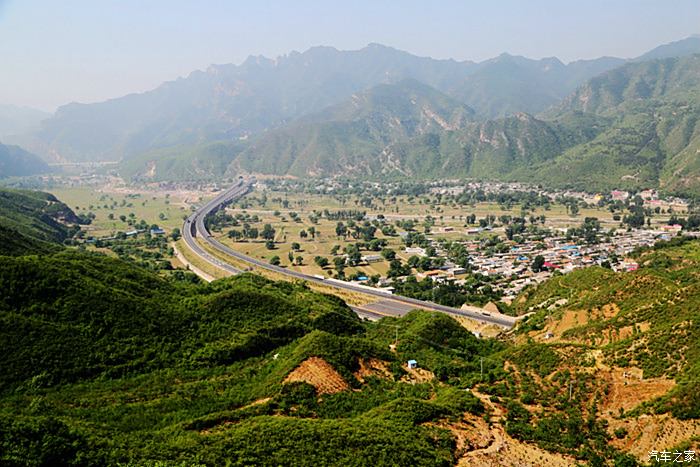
point(537, 263)
point(235, 234)
point(388, 254)
point(299, 260)
point(341, 230)
point(312, 232)
point(270, 245)
point(175, 234)
point(296, 246)
point(339, 263)
point(321, 261)
point(268, 233)
point(303, 234)
point(290, 256)
point(398, 269)
point(275, 260)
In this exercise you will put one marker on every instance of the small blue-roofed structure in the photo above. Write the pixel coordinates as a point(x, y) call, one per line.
point(157, 231)
point(412, 364)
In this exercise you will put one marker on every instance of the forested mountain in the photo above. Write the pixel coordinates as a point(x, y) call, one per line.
point(652, 137)
point(382, 112)
point(15, 161)
point(681, 48)
point(635, 126)
point(350, 137)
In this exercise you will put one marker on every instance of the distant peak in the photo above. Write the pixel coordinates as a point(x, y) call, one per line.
point(258, 60)
point(376, 45)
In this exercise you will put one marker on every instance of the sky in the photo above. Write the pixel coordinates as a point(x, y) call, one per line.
point(56, 52)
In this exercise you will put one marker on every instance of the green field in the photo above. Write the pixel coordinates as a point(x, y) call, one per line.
point(142, 205)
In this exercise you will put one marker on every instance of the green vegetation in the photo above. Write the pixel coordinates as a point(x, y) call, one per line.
point(32, 221)
point(172, 370)
point(166, 370)
point(654, 322)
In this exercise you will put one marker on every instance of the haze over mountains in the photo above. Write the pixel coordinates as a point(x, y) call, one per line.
point(379, 111)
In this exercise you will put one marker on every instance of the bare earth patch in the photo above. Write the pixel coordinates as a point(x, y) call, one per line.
point(653, 433)
point(372, 367)
point(628, 389)
point(417, 375)
point(320, 374)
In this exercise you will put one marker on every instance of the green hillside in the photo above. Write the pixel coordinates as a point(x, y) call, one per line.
point(167, 371)
point(350, 137)
point(652, 136)
point(652, 322)
point(182, 163)
point(632, 127)
point(245, 370)
point(32, 221)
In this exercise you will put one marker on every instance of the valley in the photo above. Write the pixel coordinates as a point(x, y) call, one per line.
point(354, 256)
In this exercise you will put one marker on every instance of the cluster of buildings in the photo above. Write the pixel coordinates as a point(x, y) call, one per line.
point(513, 271)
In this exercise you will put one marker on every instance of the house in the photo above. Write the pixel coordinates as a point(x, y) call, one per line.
point(648, 194)
point(415, 251)
point(372, 258)
point(618, 195)
point(675, 228)
point(157, 231)
point(412, 364)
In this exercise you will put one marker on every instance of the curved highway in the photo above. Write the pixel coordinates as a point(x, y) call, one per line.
point(195, 227)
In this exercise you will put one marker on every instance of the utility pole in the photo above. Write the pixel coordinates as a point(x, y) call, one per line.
point(570, 389)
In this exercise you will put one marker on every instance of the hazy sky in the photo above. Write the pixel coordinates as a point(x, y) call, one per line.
point(54, 52)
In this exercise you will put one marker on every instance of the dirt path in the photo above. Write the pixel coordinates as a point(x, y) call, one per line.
point(504, 450)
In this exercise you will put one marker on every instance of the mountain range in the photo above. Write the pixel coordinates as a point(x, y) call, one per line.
point(379, 111)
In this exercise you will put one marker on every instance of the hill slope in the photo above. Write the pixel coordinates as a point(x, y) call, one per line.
point(19, 120)
point(653, 134)
point(16, 162)
point(32, 221)
point(349, 137)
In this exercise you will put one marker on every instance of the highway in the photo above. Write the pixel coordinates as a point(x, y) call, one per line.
point(194, 227)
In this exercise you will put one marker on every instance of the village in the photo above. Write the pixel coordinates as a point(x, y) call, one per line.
point(516, 268)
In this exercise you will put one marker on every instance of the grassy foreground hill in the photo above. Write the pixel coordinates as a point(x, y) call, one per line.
point(175, 372)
